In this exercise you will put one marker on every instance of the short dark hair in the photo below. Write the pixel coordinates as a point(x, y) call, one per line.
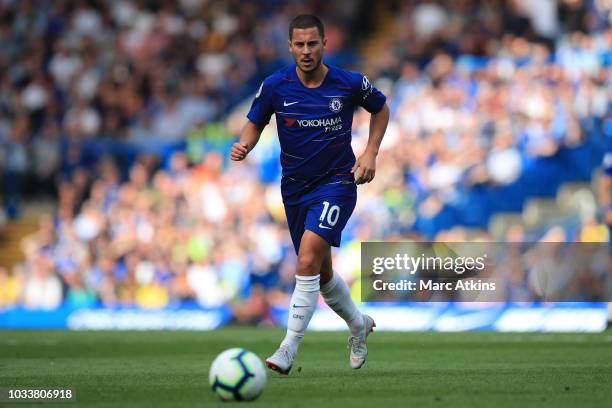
point(306, 21)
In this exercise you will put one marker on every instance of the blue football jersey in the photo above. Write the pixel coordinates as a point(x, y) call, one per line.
point(314, 125)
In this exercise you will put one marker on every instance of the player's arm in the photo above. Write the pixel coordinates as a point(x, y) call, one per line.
point(249, 136)
point(258, 117)
point(365, 166)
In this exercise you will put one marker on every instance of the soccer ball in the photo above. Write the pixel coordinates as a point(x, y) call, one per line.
point(237, 374)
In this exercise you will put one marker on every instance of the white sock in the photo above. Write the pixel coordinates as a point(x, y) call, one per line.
point(301, 309)
point(337, 296)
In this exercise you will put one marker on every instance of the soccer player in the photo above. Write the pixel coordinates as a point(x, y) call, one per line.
point(314, 103)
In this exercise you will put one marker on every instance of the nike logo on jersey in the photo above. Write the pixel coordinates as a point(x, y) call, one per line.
point(285, 103)
point(323, 226)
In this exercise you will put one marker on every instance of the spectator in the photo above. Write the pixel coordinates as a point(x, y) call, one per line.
point(10, 288)
point(42, 288)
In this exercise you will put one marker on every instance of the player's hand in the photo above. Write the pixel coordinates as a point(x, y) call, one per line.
point(239, 151)
point(364, 168)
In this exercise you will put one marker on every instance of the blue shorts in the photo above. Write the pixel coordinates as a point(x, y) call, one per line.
point(325, 213)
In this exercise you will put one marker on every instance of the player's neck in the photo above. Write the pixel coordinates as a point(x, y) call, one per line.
point(312, 79)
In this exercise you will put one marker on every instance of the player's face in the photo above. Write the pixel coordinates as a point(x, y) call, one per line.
point(306, 46)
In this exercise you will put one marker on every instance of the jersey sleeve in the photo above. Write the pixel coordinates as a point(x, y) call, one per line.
point(366, 94)
point(262, 107)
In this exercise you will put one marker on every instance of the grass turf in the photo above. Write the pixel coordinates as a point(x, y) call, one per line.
point(170, 369)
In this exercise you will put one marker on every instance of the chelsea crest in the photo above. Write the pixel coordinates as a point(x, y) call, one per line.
point(335, 105)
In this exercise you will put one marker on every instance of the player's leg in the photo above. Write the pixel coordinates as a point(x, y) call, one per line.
point(328, 219)
point(337, 295)
point(307, 285)
point(312, 250)
point(326, 269)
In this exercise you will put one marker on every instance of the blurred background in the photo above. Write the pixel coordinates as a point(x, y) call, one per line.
point(121, 209)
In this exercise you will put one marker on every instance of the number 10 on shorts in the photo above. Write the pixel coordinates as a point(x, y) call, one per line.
point(329, 214)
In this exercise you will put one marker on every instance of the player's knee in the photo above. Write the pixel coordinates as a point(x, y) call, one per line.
point(308, 264)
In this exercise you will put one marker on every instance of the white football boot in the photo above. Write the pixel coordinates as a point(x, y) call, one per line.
point(282, 360)
point(359, 348)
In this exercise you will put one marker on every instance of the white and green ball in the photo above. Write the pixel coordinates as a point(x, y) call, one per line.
point(237, 374)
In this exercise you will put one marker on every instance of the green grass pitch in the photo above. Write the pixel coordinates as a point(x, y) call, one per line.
point(170, 369)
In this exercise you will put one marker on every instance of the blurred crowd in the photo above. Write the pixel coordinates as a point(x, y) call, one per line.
point(459, 125)
point(426, 28)
point(133, 70)
point(479, 91)
point(121, 68)
point(160, 238)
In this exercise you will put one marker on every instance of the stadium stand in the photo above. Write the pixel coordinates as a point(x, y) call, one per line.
point(500, 119)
